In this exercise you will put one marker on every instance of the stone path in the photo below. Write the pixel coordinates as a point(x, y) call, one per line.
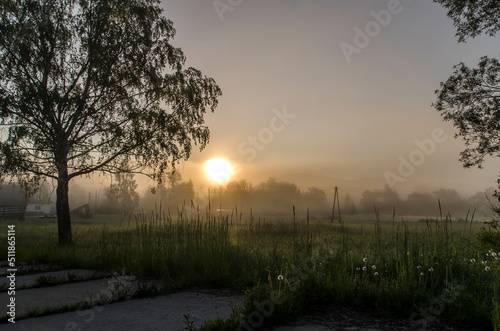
point(159, 313)
point(76, 287)
point(164, 312)
point(63, 275)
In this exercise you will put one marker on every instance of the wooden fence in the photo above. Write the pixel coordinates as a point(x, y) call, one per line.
point(12, 212)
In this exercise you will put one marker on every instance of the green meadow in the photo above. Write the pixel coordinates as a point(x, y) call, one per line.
point(421, 270)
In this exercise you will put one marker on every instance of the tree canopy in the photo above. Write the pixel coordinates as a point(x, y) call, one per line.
point(472, 18)
point(121, 196)
point(470, 98)
point(95, 86)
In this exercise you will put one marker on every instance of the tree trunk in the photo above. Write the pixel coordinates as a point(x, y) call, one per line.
point(62, 207)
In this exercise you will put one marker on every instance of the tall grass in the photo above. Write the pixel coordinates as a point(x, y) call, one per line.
point(424, 270)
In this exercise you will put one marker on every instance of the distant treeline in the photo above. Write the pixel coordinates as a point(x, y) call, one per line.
point(426, 204)
point(274, 197)
point(268, 198)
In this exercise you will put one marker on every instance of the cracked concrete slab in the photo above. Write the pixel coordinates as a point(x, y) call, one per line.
point(164, 312)
point(71, 293)
point(63, 275)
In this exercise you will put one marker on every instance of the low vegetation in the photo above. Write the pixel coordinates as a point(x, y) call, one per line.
point(421, 270)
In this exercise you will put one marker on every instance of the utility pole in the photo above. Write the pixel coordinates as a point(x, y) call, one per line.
point(336, 201)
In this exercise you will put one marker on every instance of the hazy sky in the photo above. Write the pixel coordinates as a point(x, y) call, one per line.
point(319, 117)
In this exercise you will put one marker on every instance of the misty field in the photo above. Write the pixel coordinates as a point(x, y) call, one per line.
point(420, 270)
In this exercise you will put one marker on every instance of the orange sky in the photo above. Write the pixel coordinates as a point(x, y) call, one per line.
point(297, 107)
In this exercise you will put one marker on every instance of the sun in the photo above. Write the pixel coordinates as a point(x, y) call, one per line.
point(218, 170)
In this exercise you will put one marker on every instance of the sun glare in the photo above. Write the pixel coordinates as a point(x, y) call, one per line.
point(218, 170)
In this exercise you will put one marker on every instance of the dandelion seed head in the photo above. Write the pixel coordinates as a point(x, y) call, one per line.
point(375, 274)
point(374, 267)
point(280, 277)
point(365, 260)
point(364, 268)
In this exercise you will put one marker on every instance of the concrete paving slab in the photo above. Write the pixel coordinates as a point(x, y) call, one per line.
point(159, 313)
point(71, 293)
point(28, 268)
point(66, 275)
point(301, 328)
point(53, 296)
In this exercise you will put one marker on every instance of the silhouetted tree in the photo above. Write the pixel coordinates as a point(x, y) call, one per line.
point(470, 98)
point(422, 204)
point(121, 197)
point(273, 196)
point(481, 202)
point(472, 18)
point(181, 193)
point(348, 207)
point(239, 193)
point(384, 200)
point(314, 199)
point(452, 202)
point(169, 197)
point(94, 86)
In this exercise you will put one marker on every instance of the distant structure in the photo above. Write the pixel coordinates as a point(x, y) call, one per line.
point(82, 212)
point(15, 205)
point(40, 203)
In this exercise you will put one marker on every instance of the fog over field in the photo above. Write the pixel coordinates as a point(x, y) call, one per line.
point(328, 94)
point(313, 164)
point(352, 121)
